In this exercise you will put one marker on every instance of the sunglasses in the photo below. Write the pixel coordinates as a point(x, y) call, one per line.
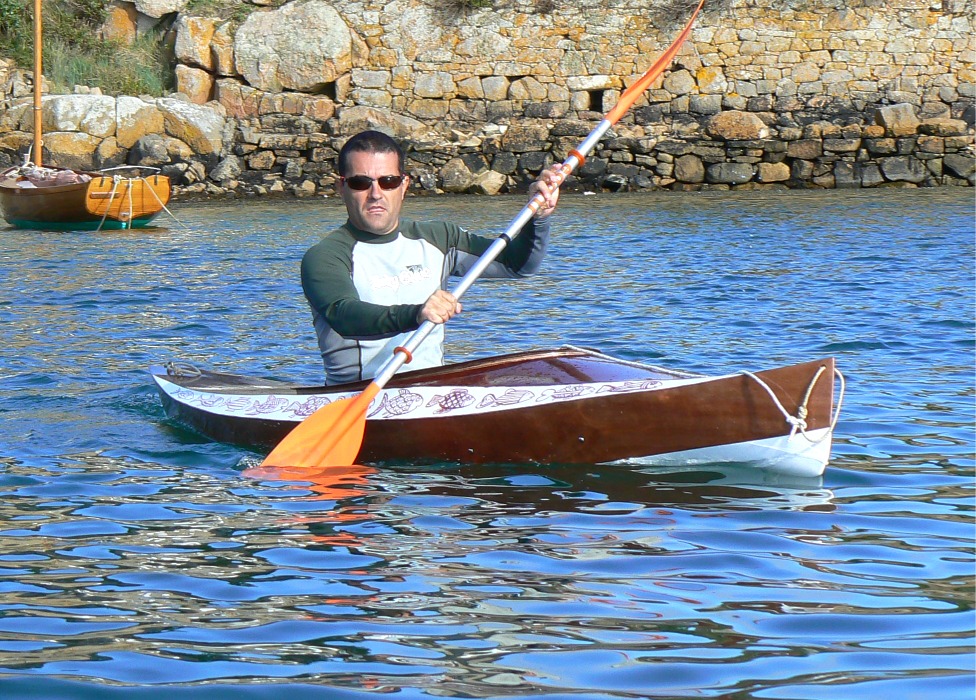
point(364, 182)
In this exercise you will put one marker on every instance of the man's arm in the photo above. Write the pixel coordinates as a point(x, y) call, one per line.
point(328, 286)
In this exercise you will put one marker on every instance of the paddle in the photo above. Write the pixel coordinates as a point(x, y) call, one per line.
point(333, 435)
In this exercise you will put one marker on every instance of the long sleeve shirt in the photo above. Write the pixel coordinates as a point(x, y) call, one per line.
point(365, 291)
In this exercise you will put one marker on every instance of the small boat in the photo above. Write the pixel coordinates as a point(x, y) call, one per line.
point(60, 199)
point(563, 406)
point(33, 196)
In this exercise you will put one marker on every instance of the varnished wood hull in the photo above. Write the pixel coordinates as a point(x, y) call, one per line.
point(568, 406)
point(105, 202)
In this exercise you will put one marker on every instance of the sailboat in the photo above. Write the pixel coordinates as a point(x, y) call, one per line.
point(33, 196)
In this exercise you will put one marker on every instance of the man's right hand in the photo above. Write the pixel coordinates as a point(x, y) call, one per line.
point(440, 307)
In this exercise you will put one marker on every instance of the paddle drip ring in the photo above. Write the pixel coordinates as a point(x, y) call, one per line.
point(406, 353)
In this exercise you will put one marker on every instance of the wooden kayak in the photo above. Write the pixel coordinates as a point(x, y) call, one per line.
point(564, 406)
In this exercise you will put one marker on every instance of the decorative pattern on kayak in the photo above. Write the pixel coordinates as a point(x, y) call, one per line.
point(415, 402)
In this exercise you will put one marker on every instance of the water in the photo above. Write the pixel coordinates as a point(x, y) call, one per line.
point(137, 560)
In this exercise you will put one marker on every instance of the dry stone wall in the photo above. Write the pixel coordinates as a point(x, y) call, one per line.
point(765, 93)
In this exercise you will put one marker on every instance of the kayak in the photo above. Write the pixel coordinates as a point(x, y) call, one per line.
point(564, 406)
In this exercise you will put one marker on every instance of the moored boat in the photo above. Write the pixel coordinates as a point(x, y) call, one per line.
point(563, 406)
point(61, 199)
point(35, 196)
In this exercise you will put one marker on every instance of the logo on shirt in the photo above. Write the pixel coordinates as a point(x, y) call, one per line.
point(412, 274)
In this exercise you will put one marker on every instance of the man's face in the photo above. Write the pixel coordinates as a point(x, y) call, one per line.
point(374, 209)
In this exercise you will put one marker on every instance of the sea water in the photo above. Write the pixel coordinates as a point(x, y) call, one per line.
point(138, 560)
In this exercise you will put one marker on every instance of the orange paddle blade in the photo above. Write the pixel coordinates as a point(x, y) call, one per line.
point(631, 94)
point(332, 436)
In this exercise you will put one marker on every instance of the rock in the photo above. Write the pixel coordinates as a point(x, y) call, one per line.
point(227, 169)
point(773, 172)
point(689, 168)
point(193, 38)
point(200, 127)
point(135, 119)
point(300, 46)
point(805, 149)
point(489, 182)
point(396, 125)
point(120, 23)
point(898, 120)
point(70, 149)
point(961, 165)
point(109, 154)
point(196, 83)
point(92, 114)
point(730, 173)
point(903, 169)
point(680, 82)
point(156, 150)
point(943, 127)
point(222, 49)
point(261, 160)
point(734, 125)
point(159, 8)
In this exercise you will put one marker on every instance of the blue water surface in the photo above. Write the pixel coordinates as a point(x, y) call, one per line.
point(137, 560)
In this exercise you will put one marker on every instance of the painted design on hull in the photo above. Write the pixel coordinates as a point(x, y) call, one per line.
point(414, 403)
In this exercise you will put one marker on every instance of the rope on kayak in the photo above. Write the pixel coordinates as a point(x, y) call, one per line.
point(181, 369)
point(799, 421)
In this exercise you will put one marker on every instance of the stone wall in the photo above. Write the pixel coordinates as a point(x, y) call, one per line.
point(765, 93)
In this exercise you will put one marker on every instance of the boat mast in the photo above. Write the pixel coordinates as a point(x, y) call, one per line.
point(38, 80)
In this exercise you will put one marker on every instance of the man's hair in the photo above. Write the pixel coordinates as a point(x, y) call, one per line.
point(370, 142)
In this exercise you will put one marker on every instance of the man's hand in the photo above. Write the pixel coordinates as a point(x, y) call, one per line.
point(548, 184)
point(440, 307)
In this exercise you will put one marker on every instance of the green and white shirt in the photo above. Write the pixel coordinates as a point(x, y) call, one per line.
point(365, 291)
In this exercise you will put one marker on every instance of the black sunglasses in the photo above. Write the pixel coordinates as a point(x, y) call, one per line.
point(364, 182)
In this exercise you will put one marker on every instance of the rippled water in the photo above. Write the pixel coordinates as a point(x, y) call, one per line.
point(137, 560)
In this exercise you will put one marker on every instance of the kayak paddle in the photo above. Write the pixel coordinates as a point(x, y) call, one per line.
point(333, 435)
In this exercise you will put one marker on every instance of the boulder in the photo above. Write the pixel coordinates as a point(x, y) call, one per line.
point(734, 125)
point(196, 83)
point(222, 48)
point(943, 127)
point(689, 168)
point(193, 37)
point(398, 126)
point(962, 165)
point(120, 23)
point(200, 127)
point(300, 46)
point(156, 150)
point(730, 173)
point(158, 8)
point(91, 114)
point(135, 118)
point(903, 169)
point(897, 120)
point(70, 149)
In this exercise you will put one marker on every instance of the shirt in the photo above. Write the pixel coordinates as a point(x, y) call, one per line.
point(365, 291)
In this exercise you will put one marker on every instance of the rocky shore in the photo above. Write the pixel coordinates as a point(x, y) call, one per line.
point(841, 95)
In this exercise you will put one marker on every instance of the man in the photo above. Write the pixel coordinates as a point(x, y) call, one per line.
point(374, 280)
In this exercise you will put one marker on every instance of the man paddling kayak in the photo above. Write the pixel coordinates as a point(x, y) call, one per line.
point(374, 280)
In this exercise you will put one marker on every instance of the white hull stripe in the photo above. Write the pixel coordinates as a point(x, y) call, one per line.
point(412, 402)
